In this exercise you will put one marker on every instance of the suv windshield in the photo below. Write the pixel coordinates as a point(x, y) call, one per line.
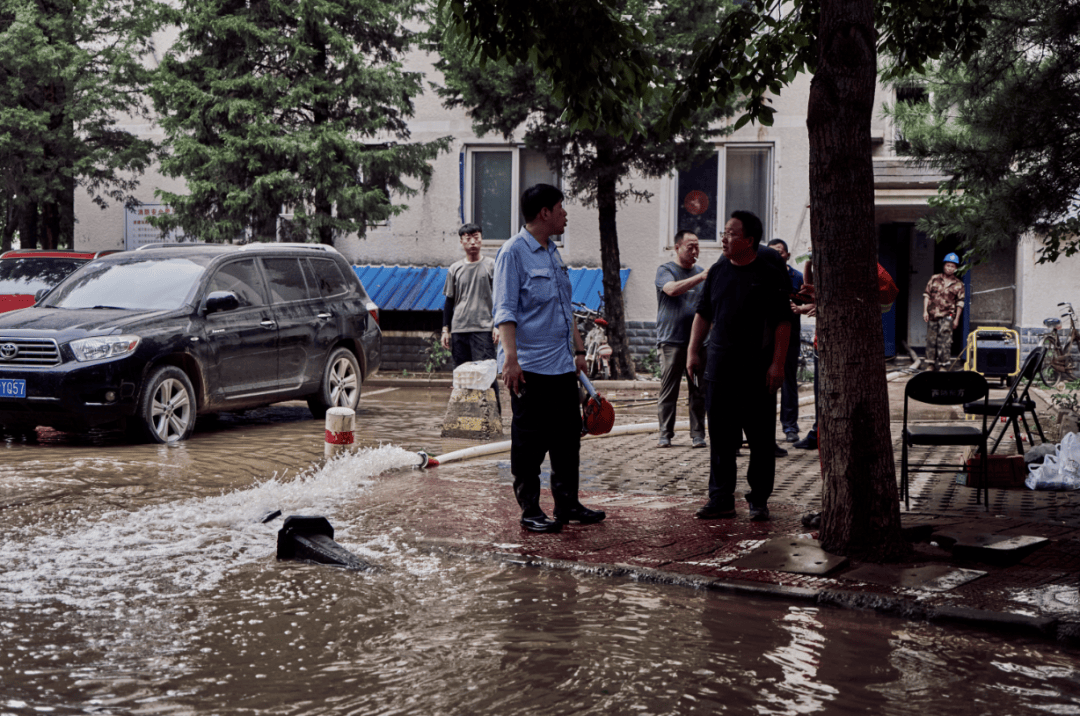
point(30, 274)
point(146, 284)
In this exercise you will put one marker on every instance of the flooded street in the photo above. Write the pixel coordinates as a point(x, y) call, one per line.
point(138, 579)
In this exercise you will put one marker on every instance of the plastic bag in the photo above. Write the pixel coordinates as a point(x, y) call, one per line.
point(475, 375)
point(1060, 471)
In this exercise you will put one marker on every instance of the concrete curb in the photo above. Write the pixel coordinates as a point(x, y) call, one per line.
point(1063, 631)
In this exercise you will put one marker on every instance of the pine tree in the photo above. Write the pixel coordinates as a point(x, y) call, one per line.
point(297, 106)
point(68, 70)
point(595, 163)
point(1006, 126)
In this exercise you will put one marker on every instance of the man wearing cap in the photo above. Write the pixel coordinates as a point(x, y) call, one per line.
point(943, 302)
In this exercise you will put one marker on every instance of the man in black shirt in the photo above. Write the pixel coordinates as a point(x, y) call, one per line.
point(746, 311)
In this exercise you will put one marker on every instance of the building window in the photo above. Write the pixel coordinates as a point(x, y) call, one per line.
point(493, 182)
point(737, 177)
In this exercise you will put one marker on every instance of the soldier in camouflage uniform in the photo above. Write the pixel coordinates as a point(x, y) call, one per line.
point(943, 302)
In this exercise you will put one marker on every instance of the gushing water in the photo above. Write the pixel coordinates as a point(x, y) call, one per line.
point(176, 549)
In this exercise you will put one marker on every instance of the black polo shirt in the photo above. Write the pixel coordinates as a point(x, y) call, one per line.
point(744, 305)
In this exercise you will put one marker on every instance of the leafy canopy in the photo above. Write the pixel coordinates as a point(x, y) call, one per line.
point(1006, 125)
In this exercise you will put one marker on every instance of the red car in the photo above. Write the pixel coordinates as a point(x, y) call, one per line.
point(24, 272)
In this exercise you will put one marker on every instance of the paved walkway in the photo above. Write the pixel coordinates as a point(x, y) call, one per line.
point(1017, 565)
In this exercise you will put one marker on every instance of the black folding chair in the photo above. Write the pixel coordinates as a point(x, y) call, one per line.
point(959, 388)
point(1016, 405)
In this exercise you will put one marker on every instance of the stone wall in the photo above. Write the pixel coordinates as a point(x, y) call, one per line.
point(406, 350)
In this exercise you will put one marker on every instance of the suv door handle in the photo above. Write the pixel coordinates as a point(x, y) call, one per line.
point(268, 324)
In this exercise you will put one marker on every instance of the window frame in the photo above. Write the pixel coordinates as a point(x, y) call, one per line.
point(468, 184)
point(721, 194)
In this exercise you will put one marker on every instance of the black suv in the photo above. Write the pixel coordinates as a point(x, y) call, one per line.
point(150, 338)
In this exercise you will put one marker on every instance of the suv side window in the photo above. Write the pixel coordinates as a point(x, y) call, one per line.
point(242, 278)
point(286, 280)
point(328, 278)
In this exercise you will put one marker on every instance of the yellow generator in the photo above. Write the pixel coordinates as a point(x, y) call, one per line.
point(993, 352)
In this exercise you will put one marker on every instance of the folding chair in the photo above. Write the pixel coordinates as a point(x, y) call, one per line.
point(933, 388)
point(1015, 406)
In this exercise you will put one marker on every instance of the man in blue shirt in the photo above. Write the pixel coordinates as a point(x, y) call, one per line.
point(540, 354)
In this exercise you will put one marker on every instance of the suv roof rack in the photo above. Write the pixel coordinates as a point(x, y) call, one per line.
point(255, 245)
point(171, 245)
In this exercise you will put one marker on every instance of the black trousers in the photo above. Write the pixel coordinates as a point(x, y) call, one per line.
point(735, 407)
point(547, 421)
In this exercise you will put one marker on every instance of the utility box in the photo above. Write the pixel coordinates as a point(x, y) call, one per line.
point(994, 353)
point(1003, 472)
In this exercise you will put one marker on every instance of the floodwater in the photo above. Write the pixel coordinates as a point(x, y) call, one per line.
point(140, 579)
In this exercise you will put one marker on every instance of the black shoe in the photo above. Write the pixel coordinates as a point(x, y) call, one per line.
point(758, 513)
point(540, 523)
point(792, 436)
point(781, 452)
point(715, 511)
point(807, 443)
point(580, 514)
point(812, 520)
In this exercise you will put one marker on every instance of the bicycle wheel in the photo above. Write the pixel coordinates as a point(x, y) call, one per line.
point(1049, 375)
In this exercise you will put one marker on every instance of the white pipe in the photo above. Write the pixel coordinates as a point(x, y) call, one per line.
point(492, 448)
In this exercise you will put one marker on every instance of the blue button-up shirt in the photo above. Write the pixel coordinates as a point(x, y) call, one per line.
point(532, 289)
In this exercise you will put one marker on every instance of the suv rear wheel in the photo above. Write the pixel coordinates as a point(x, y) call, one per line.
point(167, 407)
point(340, 386)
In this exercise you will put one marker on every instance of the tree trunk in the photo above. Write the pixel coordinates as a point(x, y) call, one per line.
point(622, 366)
point(860, 497)
point(28, 225)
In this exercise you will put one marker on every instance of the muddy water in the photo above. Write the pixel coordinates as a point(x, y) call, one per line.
point(140, 580)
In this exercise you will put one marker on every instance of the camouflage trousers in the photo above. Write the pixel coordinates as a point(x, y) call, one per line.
point(939, 343)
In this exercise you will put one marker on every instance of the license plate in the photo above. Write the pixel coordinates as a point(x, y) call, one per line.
point(11, 388)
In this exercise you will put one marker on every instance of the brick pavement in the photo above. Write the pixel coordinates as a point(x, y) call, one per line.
point(650, 495)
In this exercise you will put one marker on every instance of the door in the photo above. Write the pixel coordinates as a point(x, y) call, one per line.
point(243, 341)
point(921, 269)
point(300, 316)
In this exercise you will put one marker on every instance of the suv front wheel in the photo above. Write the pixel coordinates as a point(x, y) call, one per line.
point(340, 387)
point(167, 407)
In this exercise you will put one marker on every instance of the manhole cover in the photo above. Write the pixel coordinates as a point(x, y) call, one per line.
point(799, 555)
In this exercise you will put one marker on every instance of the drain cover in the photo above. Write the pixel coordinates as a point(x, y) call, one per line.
point(799, 555)
point(931, 577)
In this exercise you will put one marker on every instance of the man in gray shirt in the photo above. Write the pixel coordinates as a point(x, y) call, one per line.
point(678, 289)
point(468, 328)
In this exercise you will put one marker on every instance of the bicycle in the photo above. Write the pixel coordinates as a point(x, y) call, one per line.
point(594, 333)
point(1059, 364)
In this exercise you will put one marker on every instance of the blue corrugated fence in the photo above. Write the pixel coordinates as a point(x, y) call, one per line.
point(419, 288)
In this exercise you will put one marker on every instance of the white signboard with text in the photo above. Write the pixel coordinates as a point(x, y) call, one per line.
point(137, 228)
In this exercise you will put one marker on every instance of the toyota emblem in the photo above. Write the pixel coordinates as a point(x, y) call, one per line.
point(8, 351)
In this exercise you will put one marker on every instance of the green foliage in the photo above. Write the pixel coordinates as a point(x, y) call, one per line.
point(505, 95)
point(511, 79)
point(651, 364)
point(1067, 396)
point(67, 71)
point(302, 106)
point(435, 356)
point(1003, 122)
